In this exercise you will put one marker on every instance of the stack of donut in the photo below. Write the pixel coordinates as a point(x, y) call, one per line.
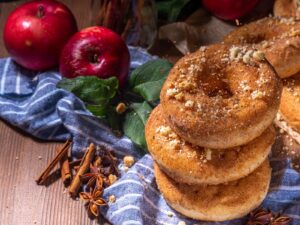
point(212, 132)
point(279, 39)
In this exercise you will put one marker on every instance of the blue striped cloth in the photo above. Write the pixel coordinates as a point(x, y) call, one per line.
point(32, 102)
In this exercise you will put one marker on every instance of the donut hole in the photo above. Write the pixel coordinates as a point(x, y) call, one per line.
point(255, 39)
point(215, 85)
point(224, 92)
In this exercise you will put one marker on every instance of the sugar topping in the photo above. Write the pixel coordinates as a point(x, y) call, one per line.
point(287, 21)
point(291, 87)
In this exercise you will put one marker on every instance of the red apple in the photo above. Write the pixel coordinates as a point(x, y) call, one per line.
point(229, 9)
point(95, 51)
point(36, 32)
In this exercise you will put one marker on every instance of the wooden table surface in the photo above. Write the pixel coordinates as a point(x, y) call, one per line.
point(23, 157)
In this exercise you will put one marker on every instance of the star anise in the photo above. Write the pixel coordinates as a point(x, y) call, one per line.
point(93, 199)
point(280, 220)
point(97, 162)
point(266, 217)
point(260, 217)
point(92, 177)
point(108, 163)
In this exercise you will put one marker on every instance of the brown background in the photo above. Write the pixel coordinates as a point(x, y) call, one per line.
point(22, 157)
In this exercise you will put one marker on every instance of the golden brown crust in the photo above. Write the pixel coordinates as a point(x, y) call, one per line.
point(216, 203)
point(191, 164)
point(290, 101)
point(212, 98)
point(278, 38)
point(287, 8)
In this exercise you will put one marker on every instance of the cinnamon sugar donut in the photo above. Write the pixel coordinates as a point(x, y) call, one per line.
point(216, 202)
point(221, 96)
point(186, 163)
point(287, 8)
point(278, 38)
point(290, 101)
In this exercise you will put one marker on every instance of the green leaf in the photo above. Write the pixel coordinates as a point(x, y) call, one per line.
point(135, 120)
point(171, 9)
point(148, 79)
point(97, 110)
point(91, 89)
point(113, 118)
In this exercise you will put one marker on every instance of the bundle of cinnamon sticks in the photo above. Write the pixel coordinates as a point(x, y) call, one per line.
point(62, 157)
point(80, 167)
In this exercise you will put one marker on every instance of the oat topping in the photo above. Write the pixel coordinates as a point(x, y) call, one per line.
point(173, 139)
point(233, 52)
point(128, 161)
point(170, 214)
point(244, 85)
point(121, 108)
point(203, 48)
point(259, 55)
point(179, 96)
point(112, 199)
point(189, 104)
point(126, 169)
point(246, 59)
point(174, 143)
point(171, 92)
point(257, 94)
point(265, 44)
point(208, 154)
point(164, 130)
point(199, 107)
point(247, 56)
point(181, 223)
point(287, 21)
point(261, 81)
point(112, 178)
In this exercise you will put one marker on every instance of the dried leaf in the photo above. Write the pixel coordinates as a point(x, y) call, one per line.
point(199, 29)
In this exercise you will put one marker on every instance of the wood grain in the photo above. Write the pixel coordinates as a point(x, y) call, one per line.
point(21, 200)
point(22, 158)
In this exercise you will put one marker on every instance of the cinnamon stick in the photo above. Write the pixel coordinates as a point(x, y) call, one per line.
point(65, 169)
point(75, 163)
point(83, 167)
point(61, 152)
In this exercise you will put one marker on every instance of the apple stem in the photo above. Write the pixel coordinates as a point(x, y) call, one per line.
point(94, 58)
point(40, 12)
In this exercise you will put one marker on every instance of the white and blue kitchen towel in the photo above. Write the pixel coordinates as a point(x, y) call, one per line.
point(32, 102)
